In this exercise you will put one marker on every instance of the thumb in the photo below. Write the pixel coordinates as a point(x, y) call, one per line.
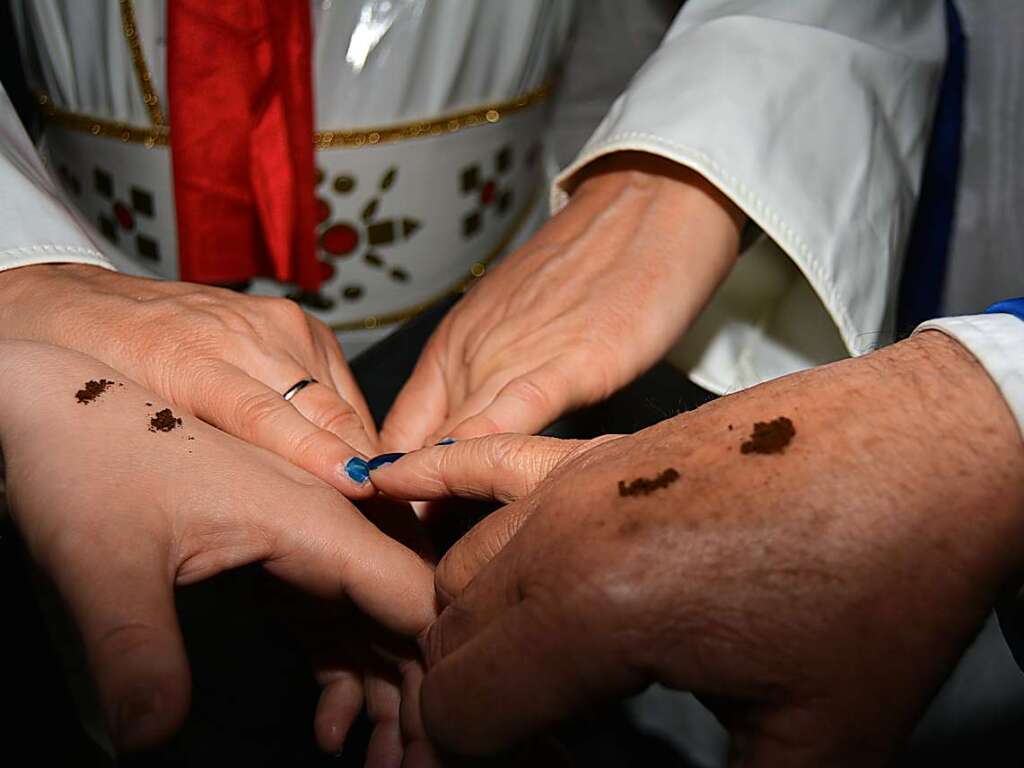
point(497, 467)
point(122, 602)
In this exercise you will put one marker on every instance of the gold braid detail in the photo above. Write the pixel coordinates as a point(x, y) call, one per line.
point(160, 135)
point(131, 35)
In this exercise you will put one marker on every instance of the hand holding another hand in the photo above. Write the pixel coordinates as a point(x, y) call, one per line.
point(814, 588)
point(224, 356)
point(119, 502)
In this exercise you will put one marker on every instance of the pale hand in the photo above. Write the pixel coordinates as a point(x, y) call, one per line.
point(117, 514)
point(814, 597)
point(593, 300)
point(222, 355)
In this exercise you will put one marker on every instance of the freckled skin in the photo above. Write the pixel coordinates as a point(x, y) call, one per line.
point(643, 486)
point(797, 593)
point(92, 389)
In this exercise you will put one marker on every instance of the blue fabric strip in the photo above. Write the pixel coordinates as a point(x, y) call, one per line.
point(1013, 307)
point(924, 272)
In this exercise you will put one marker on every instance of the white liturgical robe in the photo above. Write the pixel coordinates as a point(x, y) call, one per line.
point(813, 117)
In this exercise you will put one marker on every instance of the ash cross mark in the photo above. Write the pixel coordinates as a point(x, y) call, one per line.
point(121, 219)
point(370, 234)
point(493, 192)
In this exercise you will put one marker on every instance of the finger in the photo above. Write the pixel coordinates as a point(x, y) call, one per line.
point(122, 602)
point(512, 656)
point(419, 752)
point(332, 551)
point(517, 677)
point(383, 702)
point(499, 467)
point(340, 703)
point(340, 376)
point(248, 409)
point(419, 409)
point(323, 407)
point(468, 556)
point(526, 404)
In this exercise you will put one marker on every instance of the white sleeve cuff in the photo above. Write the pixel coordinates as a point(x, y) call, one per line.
point(997, 342)
point(37, 224)
point(813, 118)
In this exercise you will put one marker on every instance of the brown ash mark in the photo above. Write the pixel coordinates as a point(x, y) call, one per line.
point(643, 486)
point(769, 436)
point(164, 421)
point(92, 390)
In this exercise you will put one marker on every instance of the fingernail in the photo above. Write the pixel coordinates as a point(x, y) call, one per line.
point(337, 755)
point(358, 470)
point(385, 458)
point(132, 714)
point(446, 441)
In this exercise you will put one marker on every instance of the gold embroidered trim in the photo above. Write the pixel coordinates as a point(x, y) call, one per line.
point(476, 271)
point(131, 35)
point(487, 114)
point(160, 135)
point(97, 126)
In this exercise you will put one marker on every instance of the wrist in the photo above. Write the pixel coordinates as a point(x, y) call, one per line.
point(644, 172)
point(31, 297)
point(653, 208)
point(960, 412)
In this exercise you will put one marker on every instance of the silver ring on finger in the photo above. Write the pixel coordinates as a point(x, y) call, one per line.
point(297, 387)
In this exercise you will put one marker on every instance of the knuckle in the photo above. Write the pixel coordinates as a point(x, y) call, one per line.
point(255, 409)
point(341, 420)
point(311, 448)
point(289, 314)
point(124, 638)
point(530, 392)
point(433, 643)
point(449, 577)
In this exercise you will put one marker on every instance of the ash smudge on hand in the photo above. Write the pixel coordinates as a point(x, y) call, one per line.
point(769, 436)
point(164, 421)
point(92, 390)
point(643, 486)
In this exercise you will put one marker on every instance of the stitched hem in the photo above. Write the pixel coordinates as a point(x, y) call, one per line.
point(732, 187)
point(28, 255)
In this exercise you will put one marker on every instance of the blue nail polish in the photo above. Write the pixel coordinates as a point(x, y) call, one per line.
point(385, 458)
point(446, 441)
point(358, 470)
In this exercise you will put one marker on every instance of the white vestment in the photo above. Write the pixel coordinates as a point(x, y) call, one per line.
point(812, 116)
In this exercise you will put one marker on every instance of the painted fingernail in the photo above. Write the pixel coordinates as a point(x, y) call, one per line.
point(446, 441)
point(358, 470)
point(385, 458)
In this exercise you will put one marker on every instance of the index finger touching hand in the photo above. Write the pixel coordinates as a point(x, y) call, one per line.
point(498, 467)
point(251, 411)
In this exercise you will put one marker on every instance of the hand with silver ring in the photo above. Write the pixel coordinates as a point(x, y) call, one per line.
point(225, 356)
point(294, 389)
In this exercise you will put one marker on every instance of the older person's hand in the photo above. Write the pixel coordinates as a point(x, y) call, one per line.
point(121, 496)
point(595, 298)
point(222, 355)
point(813, 578)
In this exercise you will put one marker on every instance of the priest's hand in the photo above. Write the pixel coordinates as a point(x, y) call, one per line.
point(119, 502)
point(224, 356)
point(595, 298)
point(813, 580)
